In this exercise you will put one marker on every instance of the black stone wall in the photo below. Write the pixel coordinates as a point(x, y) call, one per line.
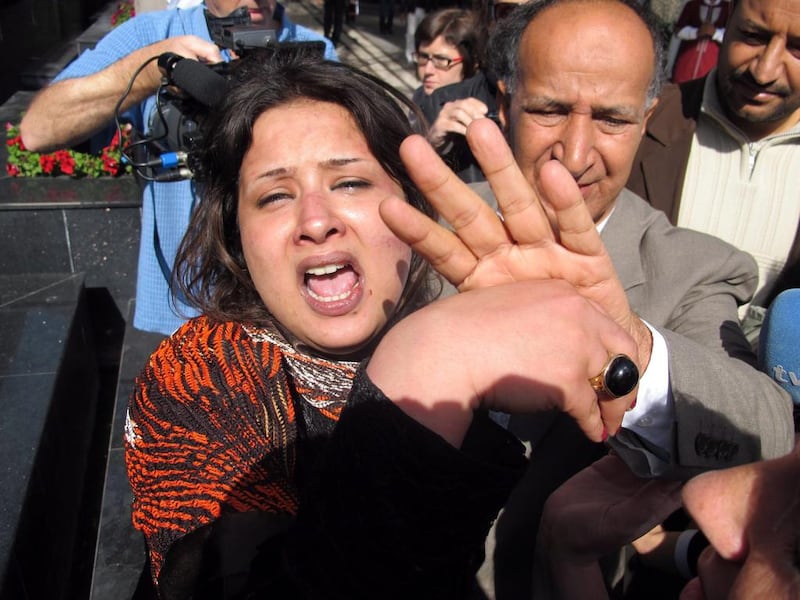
point(38, 31)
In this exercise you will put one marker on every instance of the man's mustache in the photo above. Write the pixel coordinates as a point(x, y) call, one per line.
point(746, 78)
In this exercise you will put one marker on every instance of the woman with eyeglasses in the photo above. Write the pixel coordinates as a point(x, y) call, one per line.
point(454, 92)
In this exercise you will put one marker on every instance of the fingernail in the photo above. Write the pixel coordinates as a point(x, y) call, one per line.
point(633, 405)
point(605, 434)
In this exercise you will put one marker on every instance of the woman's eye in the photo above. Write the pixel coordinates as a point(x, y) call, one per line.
point(352, 185)
point(272, 198)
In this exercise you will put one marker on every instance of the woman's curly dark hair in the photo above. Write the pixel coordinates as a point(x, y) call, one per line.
point(210, 271)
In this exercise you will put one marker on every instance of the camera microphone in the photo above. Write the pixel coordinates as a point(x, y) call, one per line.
point(195, 78)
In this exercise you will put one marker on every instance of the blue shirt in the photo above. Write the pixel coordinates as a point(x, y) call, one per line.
point(166, 207)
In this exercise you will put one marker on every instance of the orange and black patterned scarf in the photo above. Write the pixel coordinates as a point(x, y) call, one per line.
point(212, 426)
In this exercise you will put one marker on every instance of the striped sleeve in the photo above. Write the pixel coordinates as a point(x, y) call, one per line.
point(210, 429)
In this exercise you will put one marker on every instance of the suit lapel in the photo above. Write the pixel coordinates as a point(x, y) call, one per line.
point(622, 233)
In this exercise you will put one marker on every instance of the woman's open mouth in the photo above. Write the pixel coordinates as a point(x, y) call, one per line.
point(332, 289)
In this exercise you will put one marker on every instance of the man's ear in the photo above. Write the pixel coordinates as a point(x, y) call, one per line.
point(648, 113)
point(503, 101)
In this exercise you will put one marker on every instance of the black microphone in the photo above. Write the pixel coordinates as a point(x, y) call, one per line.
point(195, 78)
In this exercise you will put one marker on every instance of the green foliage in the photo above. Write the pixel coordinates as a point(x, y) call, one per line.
point(125, 10)
point(25, 163)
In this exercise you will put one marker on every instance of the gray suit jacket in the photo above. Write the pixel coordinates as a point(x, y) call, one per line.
point(688, 285)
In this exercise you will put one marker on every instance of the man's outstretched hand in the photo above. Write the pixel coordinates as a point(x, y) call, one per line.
point(545, 231)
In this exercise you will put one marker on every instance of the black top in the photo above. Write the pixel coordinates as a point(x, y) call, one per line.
point(388, 510)
point(455, 150)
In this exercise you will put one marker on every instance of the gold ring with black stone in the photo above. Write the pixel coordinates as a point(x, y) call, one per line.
point(618, 377)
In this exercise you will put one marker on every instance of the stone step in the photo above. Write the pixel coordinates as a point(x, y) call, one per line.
point(120, 552)
point(49, 390)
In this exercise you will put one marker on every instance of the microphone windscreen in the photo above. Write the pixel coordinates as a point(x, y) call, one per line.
point(199, 81)
point(779, 342)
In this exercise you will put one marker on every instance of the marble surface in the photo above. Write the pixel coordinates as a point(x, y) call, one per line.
point(120, 553)
point(100, 242)
point(48, 395)
point(32, 193)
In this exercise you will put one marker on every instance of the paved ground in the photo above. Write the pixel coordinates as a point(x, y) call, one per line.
point(361, 45)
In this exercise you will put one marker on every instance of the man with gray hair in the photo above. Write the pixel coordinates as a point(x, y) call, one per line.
point(579, 80)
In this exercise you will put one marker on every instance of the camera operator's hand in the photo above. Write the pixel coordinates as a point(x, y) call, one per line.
point(72, 110)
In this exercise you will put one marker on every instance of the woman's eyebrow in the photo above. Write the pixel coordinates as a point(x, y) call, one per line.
point(276, 172)
point(340, 162)
point(331, 163)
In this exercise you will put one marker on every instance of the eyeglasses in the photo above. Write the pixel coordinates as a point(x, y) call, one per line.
point(440, 62)
point(500, 10)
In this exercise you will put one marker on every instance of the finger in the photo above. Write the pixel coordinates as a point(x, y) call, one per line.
point(471, 218)
point(716, 574)
point(589, 418)
point(474, 110)
point(517, 200)
point(693, 590)
point(612, 410)
point(440, 247)
point(595, 275)
point(463, 115)
point(472, 106)
point(458, 121)
point(576, 228)
point(611, 340)
point(723, 517)
point(769, 574)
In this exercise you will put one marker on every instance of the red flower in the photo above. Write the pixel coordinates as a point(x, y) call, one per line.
point(24, 163)
point(66, 163)
point(47, 162)
point(110, 165)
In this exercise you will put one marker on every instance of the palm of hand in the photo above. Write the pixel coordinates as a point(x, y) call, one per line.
point(484, 249)
point(550, 260)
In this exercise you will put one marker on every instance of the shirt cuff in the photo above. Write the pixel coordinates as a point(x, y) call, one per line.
point(687, 33)
point(653, 416)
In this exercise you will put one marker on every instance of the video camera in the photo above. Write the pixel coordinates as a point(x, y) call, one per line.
point(236, 32)
point(190, 90)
